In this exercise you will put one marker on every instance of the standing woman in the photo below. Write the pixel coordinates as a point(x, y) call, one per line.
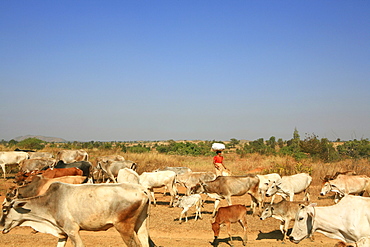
point(218, 163)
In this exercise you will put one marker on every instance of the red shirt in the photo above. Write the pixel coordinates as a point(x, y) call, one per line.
point(218, 159)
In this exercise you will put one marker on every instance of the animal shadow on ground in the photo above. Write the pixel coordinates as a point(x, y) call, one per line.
point(161, 203)
point(216, 242)
point(276, 234)
point(189, 218)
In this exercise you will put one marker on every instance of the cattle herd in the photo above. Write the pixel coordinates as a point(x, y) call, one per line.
point(50, 193)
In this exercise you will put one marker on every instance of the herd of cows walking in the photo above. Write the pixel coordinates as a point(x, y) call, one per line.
point(51, 192)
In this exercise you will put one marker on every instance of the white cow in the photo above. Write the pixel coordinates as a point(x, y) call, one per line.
point(69, 156)
point(263, 185)
point(127, 175)
point(151, 180)
point(186, 202)
point(347, 184)
point(290, 185)
point(11, 158)
point(35, 155)
point(348, 220)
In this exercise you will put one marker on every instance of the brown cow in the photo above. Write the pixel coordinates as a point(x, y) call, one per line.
point(49, 173)
point(228, 215)
point(39, 185)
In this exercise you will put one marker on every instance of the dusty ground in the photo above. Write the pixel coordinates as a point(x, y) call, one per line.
point(166, 231)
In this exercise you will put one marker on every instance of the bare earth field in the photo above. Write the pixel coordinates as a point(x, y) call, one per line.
point(165, 229)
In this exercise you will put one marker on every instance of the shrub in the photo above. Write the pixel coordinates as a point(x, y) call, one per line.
point(31, 143)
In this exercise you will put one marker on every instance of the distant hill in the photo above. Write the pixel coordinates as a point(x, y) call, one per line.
point(43, 138)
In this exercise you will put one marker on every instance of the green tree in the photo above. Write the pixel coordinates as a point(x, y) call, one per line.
point(355, 149)
point(271, 142)
point(31, 143)
point(233, 143)
point(280, 143)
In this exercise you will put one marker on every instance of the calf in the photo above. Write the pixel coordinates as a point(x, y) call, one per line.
point(228, 215)
point(284, 211)
point(186, 202)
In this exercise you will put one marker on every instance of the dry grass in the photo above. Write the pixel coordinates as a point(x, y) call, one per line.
point(252, 163)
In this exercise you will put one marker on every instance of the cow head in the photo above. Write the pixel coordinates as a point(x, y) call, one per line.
point(177, 201)
point(273, 187)
point(12, 214)
point(216, 229)
point(303, 225)
point(267, 212)
point(325, 189)
point(11, 194)
point(198, 188)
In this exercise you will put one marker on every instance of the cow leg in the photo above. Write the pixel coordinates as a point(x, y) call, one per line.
point(243, 223)
point(186, 215)
point(306, 196)
point(142, 225)
point(188, 191)
point(128, 234)
point(286, 227)
point(228, 225)
point(272, 199)
point(337, 197)
point(217, 201)
point(165, 190)
point(173, 193)
point(3, 167)
point(282, 229)
point(180, 219)
point(153, 198)
point(111, 176)
point(182, 214)
point(198, 210)
point(254, 204)
point(75, 237)
point(62, 242)
point(291, 196)
point(228, 199)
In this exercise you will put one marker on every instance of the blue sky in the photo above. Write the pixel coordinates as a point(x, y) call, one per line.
point(193, 70)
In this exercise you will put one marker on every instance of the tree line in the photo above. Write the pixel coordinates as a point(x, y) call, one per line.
point(310, 147)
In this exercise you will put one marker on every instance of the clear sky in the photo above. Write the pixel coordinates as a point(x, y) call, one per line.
point(184, 70)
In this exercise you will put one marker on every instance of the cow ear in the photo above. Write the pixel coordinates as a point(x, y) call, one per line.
point(19, 204)
point(313, 204)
